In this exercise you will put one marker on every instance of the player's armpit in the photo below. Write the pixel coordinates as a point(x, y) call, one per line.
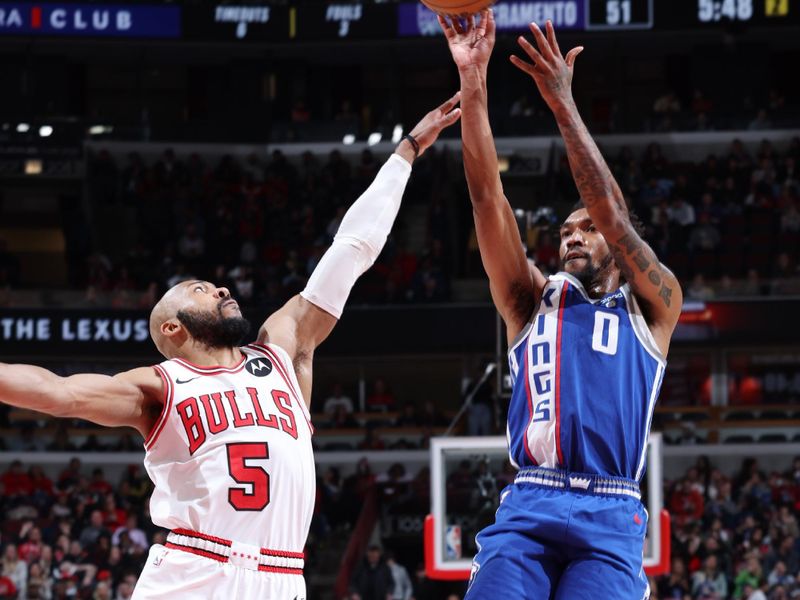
point(298, 327)
point(127, 399)
point(654, 285)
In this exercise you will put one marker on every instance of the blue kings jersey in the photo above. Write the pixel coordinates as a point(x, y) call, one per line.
point(586, 374)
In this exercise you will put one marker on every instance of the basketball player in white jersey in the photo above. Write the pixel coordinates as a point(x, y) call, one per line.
point(226, 427)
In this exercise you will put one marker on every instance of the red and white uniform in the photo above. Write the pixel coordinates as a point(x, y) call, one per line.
point(233, 469)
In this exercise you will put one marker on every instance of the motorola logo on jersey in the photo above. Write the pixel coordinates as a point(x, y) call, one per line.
point(260, 367)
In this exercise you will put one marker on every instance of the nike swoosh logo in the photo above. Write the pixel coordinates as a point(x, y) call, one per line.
point(186, 380)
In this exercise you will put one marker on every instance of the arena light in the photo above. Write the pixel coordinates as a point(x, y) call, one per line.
point(23, 127)
point(374, 138)
point(33, 166)
point(397, 133)
point(349, 139)
point(45, 131)
point(100, 129)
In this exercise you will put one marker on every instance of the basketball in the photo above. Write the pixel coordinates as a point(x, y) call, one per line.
point(457, 7)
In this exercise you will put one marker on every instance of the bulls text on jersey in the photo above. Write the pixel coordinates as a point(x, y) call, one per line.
point(225, 409)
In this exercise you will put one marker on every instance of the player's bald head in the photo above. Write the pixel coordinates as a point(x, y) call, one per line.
point(197, 312)
point(167, 308)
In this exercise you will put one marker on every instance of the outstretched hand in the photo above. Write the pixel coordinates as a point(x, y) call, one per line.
point(428, 129)
point(470, 43)
point(551, 71)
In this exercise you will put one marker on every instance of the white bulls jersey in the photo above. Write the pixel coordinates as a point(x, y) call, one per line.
point(231, 454)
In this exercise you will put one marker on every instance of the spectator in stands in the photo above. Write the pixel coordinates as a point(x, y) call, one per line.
point(753, 286)
point(674, 586)
point(61, 441)
point(39, 583)
point(431, 416)
point(408, 416)
point(337, 398)
point(341, 419)
point(99, 485)
point(761, 121)
point(16, 482)
point(372, 440)
point(31, 549)
point(749, 575)
point(681, 212)
point(709, 583)
point(780, 576)
point(137, 537)
point(92, 532)
point(191, 246)
point(8, 591)
point(15, 569)
point(685, 503)
point(381, 399)
point(27, 441)
point(114, 517)
point(402, 588)
point(699, 290)
point(372, 579)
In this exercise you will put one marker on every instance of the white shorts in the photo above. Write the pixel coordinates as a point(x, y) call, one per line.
point(177, 575)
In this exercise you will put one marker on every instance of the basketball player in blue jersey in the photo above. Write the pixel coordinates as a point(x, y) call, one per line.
point(587, 354)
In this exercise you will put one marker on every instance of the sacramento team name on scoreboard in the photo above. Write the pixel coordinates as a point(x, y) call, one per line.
point(416, 19)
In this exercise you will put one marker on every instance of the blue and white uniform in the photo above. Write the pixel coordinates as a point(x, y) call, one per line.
point(586, 374)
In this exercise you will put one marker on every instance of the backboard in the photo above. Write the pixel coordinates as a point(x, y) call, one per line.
point(476, 467)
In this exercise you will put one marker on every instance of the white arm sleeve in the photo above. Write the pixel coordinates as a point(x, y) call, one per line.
point(360, 238)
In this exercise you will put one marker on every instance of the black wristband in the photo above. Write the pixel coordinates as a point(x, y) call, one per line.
point(414, 143)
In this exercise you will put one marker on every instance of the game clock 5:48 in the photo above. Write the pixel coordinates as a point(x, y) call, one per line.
point(710, 11)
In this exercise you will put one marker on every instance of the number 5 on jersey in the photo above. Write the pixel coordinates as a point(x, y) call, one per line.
point(256, 478)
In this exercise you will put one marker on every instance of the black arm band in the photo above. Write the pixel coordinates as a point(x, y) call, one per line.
point(414, 143)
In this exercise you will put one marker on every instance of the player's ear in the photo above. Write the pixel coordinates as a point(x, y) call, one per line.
point(170, 328)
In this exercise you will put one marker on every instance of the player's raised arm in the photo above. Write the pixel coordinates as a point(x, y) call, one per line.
point(128, 399)
point(654, 285)
point(307, 319)
point(515, 285)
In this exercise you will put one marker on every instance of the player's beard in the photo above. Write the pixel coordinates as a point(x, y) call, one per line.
point(592, 273)
point(213, 330)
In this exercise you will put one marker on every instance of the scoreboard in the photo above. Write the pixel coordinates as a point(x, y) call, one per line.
point(265, 22)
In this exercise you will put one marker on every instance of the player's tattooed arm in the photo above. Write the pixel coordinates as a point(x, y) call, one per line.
point(652, 283)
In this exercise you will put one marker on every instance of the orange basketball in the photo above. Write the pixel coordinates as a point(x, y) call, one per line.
point(457, 7)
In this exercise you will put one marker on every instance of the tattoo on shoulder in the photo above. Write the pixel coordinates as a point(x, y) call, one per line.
point(666, 295)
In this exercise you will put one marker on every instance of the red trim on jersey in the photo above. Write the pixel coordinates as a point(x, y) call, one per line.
point(214, 370)
point(283, 553)
point(169, 392)
point(202, 536)
point(191, 550)
point(561, 302)
point(525, 360)
point(283, 371)
point(285, 570)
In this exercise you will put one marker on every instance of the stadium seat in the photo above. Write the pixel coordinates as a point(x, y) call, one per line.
point(772, 438)
point(739, 439)
point(740, 415)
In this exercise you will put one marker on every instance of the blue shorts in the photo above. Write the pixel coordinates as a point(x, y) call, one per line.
point(574, 542)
